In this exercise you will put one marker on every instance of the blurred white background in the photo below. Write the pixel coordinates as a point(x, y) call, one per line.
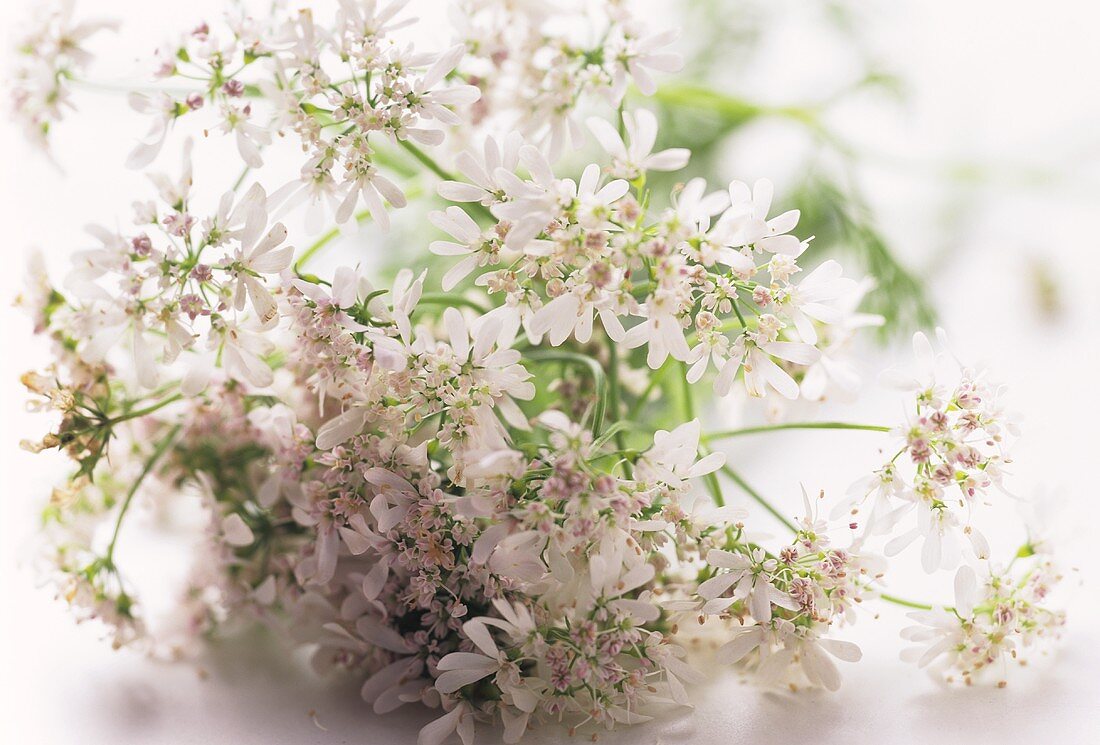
point(986, 180)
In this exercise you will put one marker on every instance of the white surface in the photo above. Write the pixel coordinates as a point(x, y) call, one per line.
point(992, 83)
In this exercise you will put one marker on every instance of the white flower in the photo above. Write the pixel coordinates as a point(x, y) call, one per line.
point(459, 669)
point(816, 655)
point(480, 170)
point(940, 547)
point(250, 137)
point(816, 297)
point(476, 247)
point(941, 631)
point(495, 365)
point(532, 204)
point(748, 576)
point(432, 104)
point(804, 645)
point(662, 331)
point(257, 256)
point(364, 181)
point(335, 302)
point(162, 108)
point(571, 314)
point(834, 371)
point(629, 161)
point(460, 719)
point(637, 56)
point(370, 19)
point(242, 354)
point(761, 371)
point(746, 221)
point(594, 201)
point(674, 457)
point(694, 208)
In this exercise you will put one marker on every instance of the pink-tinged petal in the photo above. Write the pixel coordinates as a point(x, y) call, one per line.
point(480, 636)
point(458, 272)
point(613, 192)
point(801, 354)
point(966, 591)
point(457, 332)
point(716, 586)
point(819, 668)
point(515, 724)
point(672, 159)
point(377, 633)
point(760, 604)
point(708, 464)
point(434, 733)
point(776, 377)
point(745, 640)
point(455, 191)
point(337, 431)
point(236, 532)
point(717, 557)
point(607, 137)
point(842, 650)
point(784, 223)
point(391, 675)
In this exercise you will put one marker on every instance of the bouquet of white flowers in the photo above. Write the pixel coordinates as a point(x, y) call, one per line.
point(482, 485)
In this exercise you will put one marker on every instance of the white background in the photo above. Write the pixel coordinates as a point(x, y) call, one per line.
point(989, 171)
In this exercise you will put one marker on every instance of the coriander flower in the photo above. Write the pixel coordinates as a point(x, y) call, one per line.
point(629, 161)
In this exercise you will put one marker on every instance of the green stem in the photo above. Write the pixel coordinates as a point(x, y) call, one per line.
point(613, 400)
point(687, 402)
point(598, 375)
point(427, 160)
point(240, 179)
point(654, 380)
point(728, 433)
point(162, 447)
point(438, 170)
point(759, 499)
point(444, 298)
point(142, 412)
point(907, 603)
point(687, 398)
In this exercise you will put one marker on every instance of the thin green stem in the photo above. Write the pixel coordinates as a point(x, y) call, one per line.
point(427, 160)
point(240, 179)
point(654, 380)
point(906, 603)
point(438, 170)
point(161, 448)
point(687, 402)
point(142, 412)
point(613, 399)
point(687, 398)
point(758, 498)
point(581, 360)
point(728, 433)
point(445, 298)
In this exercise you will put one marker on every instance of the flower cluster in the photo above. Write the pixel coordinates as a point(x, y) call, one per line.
point(952, 456)
point(790, 600)
point(537, 70)
point(51, 55)
point(345, 89)
point(709, 280)
point(479, 500)
point(189, 282)
point(995, 619)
